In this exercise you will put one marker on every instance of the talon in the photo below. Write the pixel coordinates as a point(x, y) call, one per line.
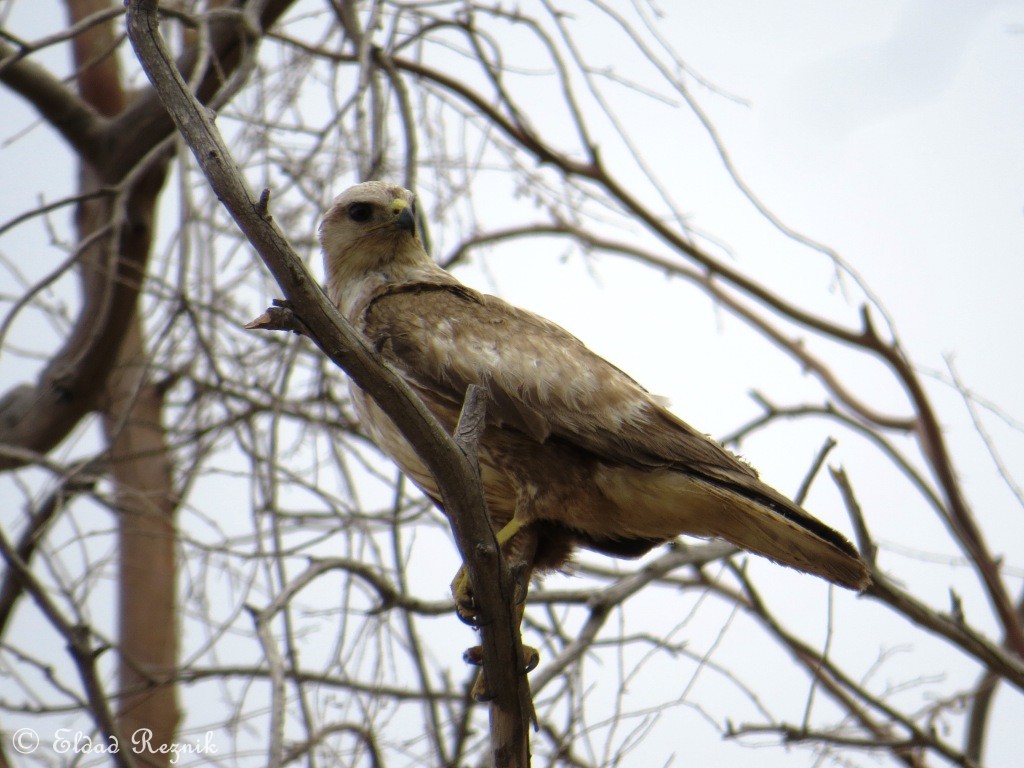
point(479, 691)
point(465, 605)
point(521, 581)
point(474, 656)
point(531, 658)
point(467, 610)
point(467, 615)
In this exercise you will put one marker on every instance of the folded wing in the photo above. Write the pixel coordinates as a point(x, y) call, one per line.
point(545, 383)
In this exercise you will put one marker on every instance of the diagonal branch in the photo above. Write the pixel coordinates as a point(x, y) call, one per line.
point(230, 40)
point(80, 644)
point(125, 156)
point(77, 122)
point(456, 474)
point(995, 659)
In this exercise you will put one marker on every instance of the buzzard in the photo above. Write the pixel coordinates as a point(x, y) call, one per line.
point(575, 453)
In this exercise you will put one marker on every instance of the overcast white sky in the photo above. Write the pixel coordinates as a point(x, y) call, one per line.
point(893, 132)
point(890, 131)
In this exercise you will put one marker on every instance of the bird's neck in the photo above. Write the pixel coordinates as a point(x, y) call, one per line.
point(351, 284)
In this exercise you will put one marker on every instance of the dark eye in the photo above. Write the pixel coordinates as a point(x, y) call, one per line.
point(360, 212)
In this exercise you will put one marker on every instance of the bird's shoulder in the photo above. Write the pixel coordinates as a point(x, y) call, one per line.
point(542, 380)
point(454, 332)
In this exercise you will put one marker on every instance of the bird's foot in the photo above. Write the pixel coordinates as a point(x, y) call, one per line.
point(475, 656)
point(465, 603)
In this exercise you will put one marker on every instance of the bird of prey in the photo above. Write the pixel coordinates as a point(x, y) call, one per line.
point(574, 453)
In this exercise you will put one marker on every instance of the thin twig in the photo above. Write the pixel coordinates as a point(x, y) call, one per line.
point(456, 476)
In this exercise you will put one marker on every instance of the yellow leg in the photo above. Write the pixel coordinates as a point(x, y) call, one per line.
point(462, 591)
point(465, 606)
point(475, 656)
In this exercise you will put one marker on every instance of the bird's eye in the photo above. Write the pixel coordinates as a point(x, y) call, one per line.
point(360, 212)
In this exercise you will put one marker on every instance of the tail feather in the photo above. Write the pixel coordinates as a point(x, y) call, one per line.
point(660, 505)
point(770, 525)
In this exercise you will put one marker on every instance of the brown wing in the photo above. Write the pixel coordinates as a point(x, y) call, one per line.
point(542, 380)
point(545, 383)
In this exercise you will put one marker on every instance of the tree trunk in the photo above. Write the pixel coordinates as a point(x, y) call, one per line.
point(141, 470)
point(132, 408)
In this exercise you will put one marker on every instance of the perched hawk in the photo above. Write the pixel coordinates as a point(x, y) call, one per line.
point(575, 453)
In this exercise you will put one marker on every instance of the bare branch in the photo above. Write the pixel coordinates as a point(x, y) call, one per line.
point(75, 120)
point(456, 475)
point(1007, 665)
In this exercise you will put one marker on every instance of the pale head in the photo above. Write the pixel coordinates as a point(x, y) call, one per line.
point(373, 214)
point(369, 237)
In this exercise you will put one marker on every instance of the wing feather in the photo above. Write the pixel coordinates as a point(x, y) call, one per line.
point(547, 384)
point(542, 380)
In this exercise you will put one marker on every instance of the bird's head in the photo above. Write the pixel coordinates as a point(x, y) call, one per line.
point(369, 230)
point(372, 216)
